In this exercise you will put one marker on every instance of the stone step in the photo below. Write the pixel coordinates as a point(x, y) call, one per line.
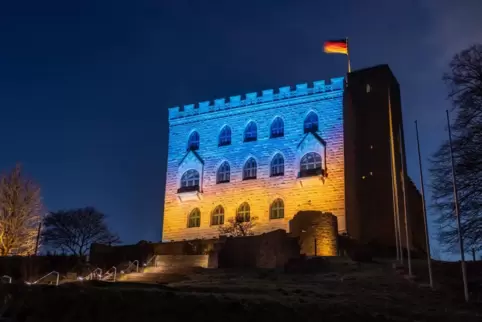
point(143, 277)
point(151, 278)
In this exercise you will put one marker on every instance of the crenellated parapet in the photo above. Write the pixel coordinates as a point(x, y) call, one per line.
point(268, 95)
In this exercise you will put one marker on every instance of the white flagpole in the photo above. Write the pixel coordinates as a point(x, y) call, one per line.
point(424, 207)
point(407, 224)
point(457, 214)
point(394, 206)
point(395, 182)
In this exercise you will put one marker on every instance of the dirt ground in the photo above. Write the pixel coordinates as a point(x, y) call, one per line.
point(343, 292)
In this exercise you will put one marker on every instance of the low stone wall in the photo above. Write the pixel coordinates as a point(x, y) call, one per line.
point(176, 263)
point(268, 250)
point(105, 256)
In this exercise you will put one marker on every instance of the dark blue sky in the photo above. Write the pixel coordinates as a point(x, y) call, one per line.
point(85, 86)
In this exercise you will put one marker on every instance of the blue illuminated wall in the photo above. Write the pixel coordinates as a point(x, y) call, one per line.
point(320, 192)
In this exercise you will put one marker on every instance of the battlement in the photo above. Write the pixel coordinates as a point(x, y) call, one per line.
point(268, 95)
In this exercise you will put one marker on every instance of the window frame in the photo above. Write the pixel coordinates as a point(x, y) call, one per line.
point(225, 173)
point(196, 220)
point(243, 213)
point(281, 128)
point(277, 206)
point(251, 132)
point(225, 133)
point(218, 213)
point(310, 118)
point(281, 166)
point(314, 170)
point(251, 170)
point(193, 144)
point(189, 183)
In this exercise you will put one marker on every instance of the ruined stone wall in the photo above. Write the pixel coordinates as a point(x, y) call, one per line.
point(324, 193)
point(317, 233)
point(269, 250)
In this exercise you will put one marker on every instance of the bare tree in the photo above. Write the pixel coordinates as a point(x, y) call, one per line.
point(20, 211)
point(238, 226)
point(465, 84)
point(75, 230)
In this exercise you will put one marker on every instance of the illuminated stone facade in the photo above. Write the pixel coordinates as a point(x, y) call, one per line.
point(213, 171)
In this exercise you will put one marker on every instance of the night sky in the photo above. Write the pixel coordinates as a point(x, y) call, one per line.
point(85, 85)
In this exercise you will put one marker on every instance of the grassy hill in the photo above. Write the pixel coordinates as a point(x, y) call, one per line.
point(340, 292)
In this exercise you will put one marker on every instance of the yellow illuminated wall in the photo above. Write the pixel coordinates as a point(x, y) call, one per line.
point(321, 192)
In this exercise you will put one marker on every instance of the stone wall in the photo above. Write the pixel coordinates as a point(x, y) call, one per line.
point(178, 263)
point(314, 193)
point(104, 256)
point(269, 250)
point(317, 233)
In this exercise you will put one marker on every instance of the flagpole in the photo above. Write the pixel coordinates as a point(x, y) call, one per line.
point(348, 55)
point(394, 206)
point(395, 182)
point(457, 214)
point(424, 208)
point(407, 224)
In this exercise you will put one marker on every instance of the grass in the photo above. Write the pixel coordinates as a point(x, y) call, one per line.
point(345, 292)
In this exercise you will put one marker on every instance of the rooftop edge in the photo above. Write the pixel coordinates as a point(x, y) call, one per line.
point(252, 98)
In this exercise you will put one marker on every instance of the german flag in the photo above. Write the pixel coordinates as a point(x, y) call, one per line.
point(339, 46)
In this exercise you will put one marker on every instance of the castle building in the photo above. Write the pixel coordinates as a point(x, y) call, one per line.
point(323, 146)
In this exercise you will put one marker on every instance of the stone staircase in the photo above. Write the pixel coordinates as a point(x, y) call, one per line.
point(152, 275)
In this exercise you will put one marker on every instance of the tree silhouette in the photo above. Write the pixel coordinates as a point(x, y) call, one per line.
point(20, 209)
point(465, 83)
point(237, 226)
point(75, 230)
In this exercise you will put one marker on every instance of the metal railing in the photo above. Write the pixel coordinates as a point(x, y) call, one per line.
point(127, 269)
point(43, 277)
point(109, 274)
point(137, 265)
point(150, 260)
point(91, 275)
point(7, 277)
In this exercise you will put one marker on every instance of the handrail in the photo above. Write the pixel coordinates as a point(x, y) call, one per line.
point(137, 265)
point(52, 272)
point(150, 260)
point(107, 274)
point(90, 275)
point(9, 278)
point(129, 266)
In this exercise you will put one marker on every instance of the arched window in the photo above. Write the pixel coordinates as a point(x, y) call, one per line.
point(277, 209)
point(251, 132)
point(189, 181)
point(277, 128)
point(311, 122)
point(310, 165)
point(243, 213)
point(277, 166)
point(217, 217)
point(193, 143)
point(194, 219)
point(250, 169)
point(225, 136)
point(223, 175)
